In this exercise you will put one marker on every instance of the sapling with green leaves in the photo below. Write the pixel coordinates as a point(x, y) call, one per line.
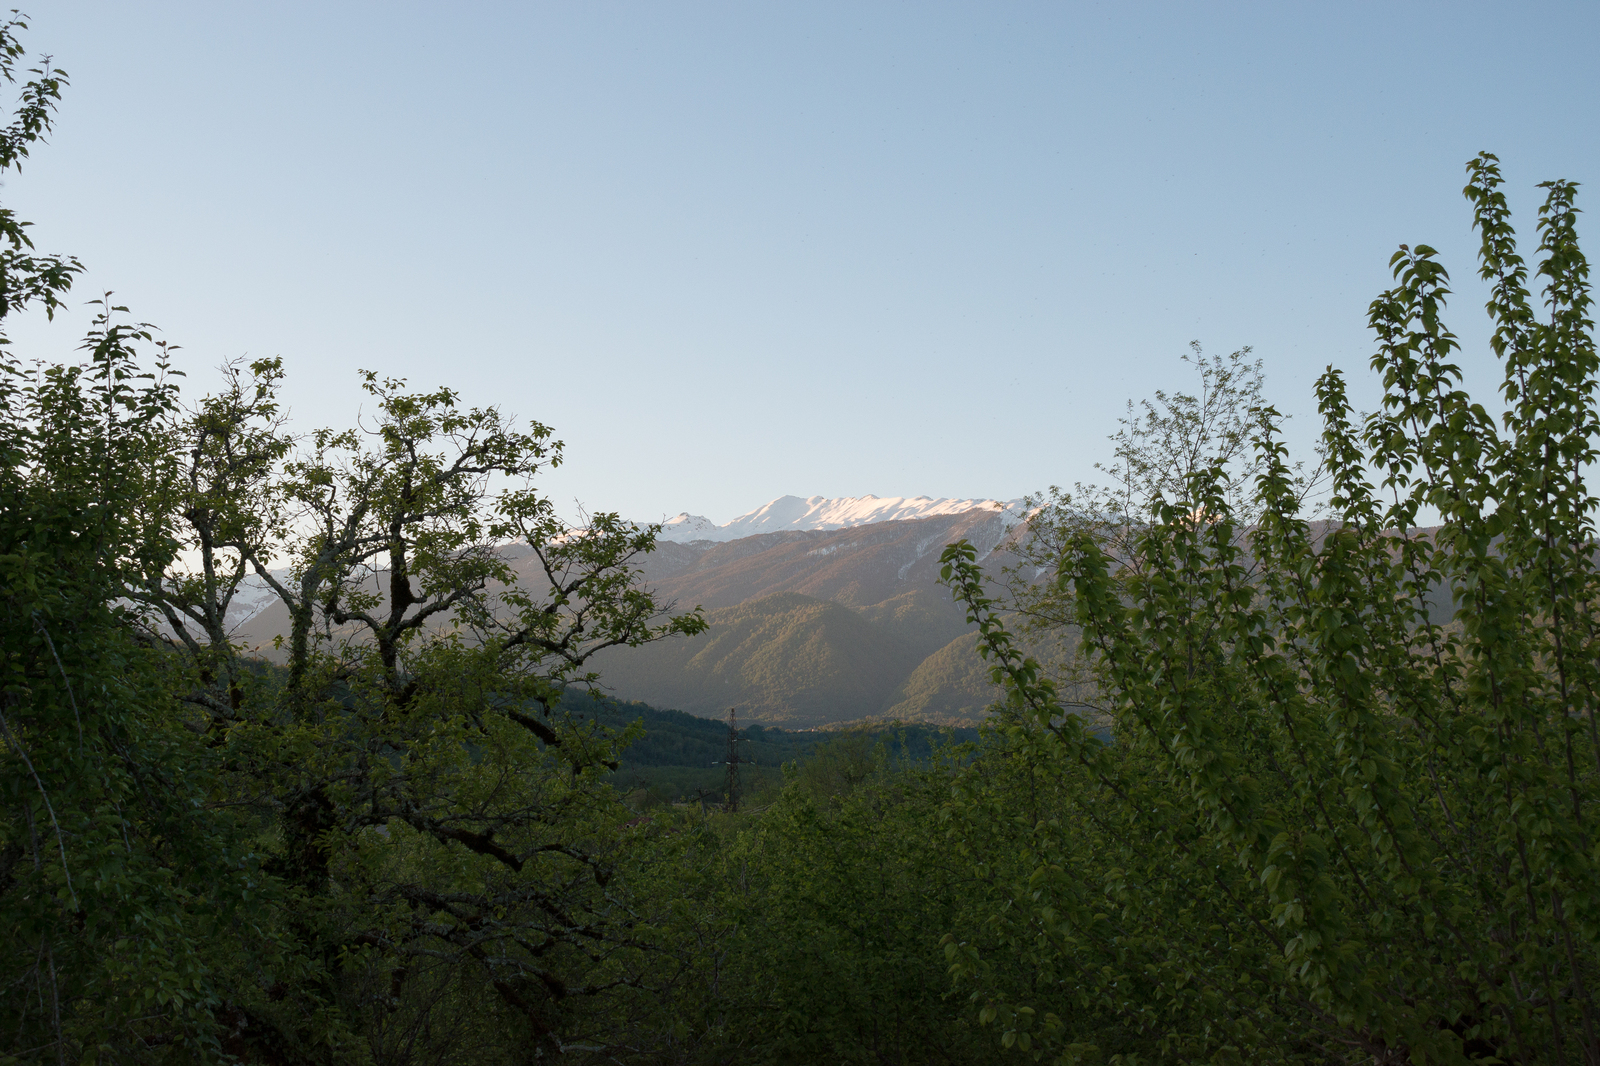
point(1395, 812)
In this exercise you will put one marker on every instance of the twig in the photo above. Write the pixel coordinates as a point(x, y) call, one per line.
point(45, 633)
point(60, 839)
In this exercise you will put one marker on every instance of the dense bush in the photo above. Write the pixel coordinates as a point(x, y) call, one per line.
point(1333, 825)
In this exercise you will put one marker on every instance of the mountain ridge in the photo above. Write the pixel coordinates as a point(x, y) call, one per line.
point(789, 513)
point(810, 628)
point(819, 627)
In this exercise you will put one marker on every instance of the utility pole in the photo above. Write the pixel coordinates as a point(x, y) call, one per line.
point(733, 760)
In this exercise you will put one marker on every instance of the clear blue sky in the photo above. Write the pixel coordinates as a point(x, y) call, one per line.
point(731, 251)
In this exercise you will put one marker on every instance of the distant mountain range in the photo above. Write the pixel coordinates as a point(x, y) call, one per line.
point(842, 622)
point(829, 612)
point(820, 512)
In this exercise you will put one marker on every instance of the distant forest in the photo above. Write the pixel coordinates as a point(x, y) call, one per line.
point(1247, 791)
point(682, 758)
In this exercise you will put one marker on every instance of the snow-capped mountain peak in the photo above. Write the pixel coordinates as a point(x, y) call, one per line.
point(821, 512)
point(686, 527)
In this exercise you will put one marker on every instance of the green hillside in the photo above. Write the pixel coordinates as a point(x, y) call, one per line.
point(786, 659)
point(924, 618)
point(796, 661)
point(951, 685)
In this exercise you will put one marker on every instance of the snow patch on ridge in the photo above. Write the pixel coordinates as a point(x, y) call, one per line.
point(820, 512)
point(252, 597)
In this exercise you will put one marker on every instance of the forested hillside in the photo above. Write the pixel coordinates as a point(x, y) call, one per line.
point(1298, 781)
point(819, 628)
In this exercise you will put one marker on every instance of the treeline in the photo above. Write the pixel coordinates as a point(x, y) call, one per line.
point(1248, 796)
point(674, 757)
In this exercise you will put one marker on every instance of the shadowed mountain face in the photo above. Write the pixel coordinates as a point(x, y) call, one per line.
point(817, 628)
